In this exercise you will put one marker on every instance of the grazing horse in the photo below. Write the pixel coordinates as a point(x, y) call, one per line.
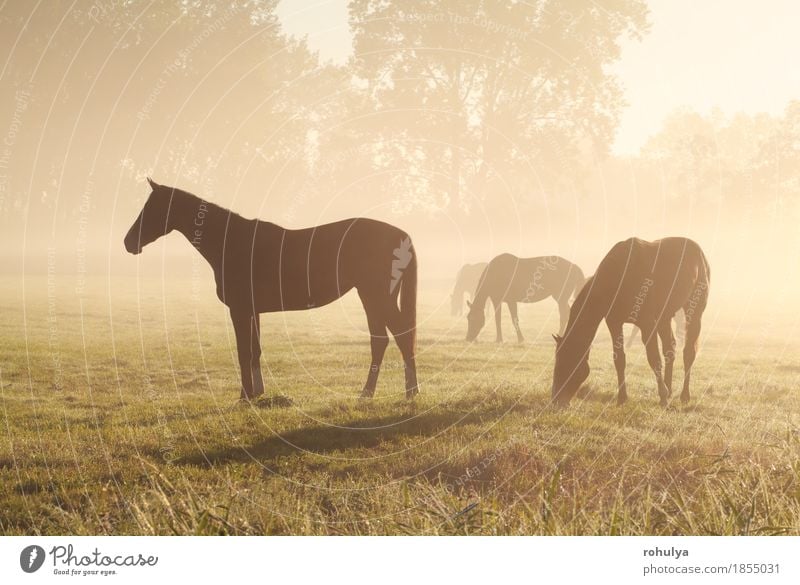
point(522, 280)
point(466, 283)
point(644, 283)
point(260, 267)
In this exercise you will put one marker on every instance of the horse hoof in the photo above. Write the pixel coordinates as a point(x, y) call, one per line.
point(366, 393)
point(622, 400)
point(412, 393)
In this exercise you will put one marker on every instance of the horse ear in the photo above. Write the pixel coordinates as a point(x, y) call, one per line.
point(469, 304)
point(153, 184)
point(557, 338)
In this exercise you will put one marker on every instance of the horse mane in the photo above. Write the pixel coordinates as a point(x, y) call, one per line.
point(211, 208)
point(579, 304)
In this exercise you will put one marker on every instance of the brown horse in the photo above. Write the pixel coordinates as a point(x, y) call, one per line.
point(467, 281)
point(644, 283)
point(260, 267)
point(511, 280)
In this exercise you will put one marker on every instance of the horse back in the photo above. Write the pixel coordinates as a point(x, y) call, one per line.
point(651, 280)
point(279, 269)
point(533, 279)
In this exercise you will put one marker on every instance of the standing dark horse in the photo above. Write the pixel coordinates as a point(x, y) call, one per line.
point(513, 280)
point(466, 283)
point(644, 283)
point(260, 267)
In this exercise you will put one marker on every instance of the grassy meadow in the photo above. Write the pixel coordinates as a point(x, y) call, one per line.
point(121, 416)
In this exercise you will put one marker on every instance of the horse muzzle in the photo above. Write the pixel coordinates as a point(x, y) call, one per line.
point(132, 245)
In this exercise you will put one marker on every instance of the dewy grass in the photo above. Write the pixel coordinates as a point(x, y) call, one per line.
point(126, 420)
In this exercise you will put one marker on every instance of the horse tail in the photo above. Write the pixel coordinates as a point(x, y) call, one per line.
point(704, 278)
point(694, 307)
point(408, 297)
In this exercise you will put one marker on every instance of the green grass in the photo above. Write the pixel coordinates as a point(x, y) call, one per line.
point(122, 418)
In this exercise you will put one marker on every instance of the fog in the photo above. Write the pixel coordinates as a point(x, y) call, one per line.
point(477, 127)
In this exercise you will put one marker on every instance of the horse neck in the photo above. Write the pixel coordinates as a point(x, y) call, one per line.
point(584, 319)
point(202, 223)
point(481, 294)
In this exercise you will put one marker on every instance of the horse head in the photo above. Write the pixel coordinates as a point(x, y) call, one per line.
point(152, 222)
point(570, 371)
point(475, 321)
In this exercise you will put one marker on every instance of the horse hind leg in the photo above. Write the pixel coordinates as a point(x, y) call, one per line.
point(402, 329)
point(246, 326)
point(654, 359)
point(618, 344)
point(379, 340)
point(512, 308)
point(498, 305)
point(668, 349)
point(689, 352)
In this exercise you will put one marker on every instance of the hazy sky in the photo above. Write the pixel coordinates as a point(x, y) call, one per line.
point(730, 54)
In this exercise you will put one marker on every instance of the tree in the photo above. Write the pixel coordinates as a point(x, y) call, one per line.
point(476, 96)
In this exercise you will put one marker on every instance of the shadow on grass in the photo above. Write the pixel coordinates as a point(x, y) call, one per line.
point(362, 432)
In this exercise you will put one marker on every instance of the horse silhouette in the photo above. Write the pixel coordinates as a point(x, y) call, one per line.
point(511, 280)
point(260, 267)
point(644, 283)
point(467, 281)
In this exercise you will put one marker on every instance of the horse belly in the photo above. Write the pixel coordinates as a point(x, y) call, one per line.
point(303, 287)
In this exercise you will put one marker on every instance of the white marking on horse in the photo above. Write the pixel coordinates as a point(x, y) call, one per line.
point(402, 257)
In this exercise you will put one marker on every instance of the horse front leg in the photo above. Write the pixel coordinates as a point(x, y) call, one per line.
point(246, 325)
point(512, 308)
point(668, 349)
point(690, 351)
point(378, 340)
point(618, 344)
point(498, 306)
